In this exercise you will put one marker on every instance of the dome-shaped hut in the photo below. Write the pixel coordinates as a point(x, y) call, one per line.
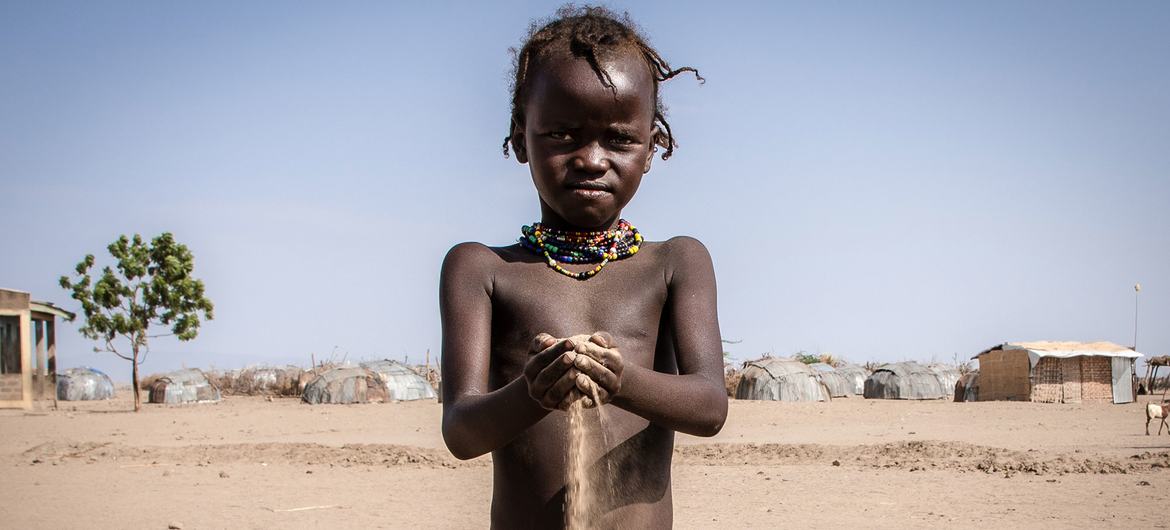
point(84, 384)
point(967, 389)
point(947, 375)
point(780, 380)
point(402, 383)
point(838, 384)
point(344, 386)
point(190, 385)
point(905, 380)
point(856, 376)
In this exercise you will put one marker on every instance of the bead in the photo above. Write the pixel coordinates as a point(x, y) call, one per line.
point(601, 247)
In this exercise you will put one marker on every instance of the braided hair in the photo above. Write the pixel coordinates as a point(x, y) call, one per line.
point(587, 32)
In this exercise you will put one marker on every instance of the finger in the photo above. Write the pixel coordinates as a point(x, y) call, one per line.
point(552, 373)
point(591, 349)
point(603, 339)
point(568, 400)
point(591, 390)
point(540, 360)
point(597, 374)
point(558, 389)
point(542, 341)
point(611, 358)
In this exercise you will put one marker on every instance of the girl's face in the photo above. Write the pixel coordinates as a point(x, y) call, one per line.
point(587, 145)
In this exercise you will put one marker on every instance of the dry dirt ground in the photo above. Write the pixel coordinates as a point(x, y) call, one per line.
point(251, 463)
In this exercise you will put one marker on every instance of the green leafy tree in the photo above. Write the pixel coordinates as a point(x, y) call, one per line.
point(151, 286)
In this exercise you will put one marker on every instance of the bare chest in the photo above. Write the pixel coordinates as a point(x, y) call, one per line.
point(626, 299)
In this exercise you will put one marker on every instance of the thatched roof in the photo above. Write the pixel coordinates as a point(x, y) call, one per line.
point(905, 380)
point(84, 384)
point(183, 386)
point(344, 386)
point(402, 383)
point(780, 380)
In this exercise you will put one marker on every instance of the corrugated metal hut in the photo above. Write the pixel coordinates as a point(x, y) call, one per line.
point(402, 383)
point(1057, 372)
point(838, 384)
point(856, 376)
point(84, 384)
point(967, 389)
point(947, 375)
point(344, 386)
point(905, 380)
point(183, 386)
point(780, 380)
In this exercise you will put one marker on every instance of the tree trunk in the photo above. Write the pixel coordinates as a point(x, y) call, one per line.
point(134, 381)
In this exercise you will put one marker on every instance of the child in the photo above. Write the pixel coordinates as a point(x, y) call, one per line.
point(587, 119)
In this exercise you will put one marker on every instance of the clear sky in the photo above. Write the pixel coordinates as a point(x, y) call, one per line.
point(879, 180)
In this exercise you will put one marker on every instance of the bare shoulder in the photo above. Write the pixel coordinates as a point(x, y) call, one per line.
point(469, 261)
point(685, 255)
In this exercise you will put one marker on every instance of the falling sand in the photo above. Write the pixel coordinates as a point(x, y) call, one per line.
point(583, 495)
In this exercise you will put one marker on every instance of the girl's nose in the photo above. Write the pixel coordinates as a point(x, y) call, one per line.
point(591, 158)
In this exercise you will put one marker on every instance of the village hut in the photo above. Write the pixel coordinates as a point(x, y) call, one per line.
point(84, 384)
point(780, 380)
point(904, 380)
point(1057, 372)
point(307, 376)
point(345, 385)
point(947, 375)
point(967, 389)
point(402, 383)
point(190, 385)
point(838, 384)
point(269, 380)
point(856, 376)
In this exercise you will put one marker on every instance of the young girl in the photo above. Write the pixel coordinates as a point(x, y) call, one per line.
point(587, 120)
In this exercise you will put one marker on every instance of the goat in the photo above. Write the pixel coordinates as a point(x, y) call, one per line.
point(1160, 412)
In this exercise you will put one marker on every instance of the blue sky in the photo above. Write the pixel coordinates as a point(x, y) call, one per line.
point(883, 181)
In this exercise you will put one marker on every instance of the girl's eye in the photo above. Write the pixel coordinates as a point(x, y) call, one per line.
point(558, 135)
point(623, 140)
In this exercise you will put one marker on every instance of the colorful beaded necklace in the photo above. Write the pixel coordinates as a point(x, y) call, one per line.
point(563, 246)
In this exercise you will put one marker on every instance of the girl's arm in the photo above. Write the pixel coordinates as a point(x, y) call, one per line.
point(477, 420)
point(694, 401)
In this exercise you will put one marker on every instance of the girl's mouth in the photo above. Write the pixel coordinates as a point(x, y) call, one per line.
point(590, 193)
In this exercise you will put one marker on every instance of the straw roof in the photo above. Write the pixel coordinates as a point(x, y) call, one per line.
point(904, 380)
point(780, 380)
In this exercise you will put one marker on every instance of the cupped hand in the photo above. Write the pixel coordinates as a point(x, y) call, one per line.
point(600, 365)
point(550, 372)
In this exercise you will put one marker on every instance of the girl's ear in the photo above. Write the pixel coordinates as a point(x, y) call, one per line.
point(518, 143)
point(650, 152)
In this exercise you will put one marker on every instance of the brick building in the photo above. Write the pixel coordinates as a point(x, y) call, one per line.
point(1057, 372)
point(28, 349)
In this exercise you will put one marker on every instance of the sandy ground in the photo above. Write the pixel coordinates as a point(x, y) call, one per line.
point(252, 463)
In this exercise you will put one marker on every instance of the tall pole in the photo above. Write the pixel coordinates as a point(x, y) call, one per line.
point(1137, 288)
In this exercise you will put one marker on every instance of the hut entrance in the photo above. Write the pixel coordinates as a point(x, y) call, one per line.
point(11, 386)
point(1070, 373)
